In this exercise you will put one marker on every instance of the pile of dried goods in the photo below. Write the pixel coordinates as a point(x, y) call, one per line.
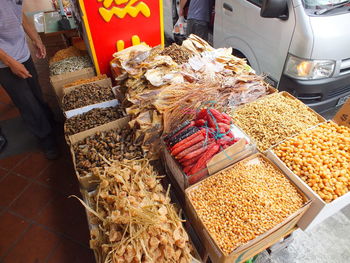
point(102, 147)
point(136, 221)
point(70, 64)
point(86, 95)
point(194, 143)
point(321, 157)
point(84, 81)
point(66, 53)
point(178, 53)
point(243, 202)
point(274, 118)
point(91, 119)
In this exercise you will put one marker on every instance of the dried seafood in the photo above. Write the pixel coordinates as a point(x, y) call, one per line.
point(91, 119)
point(136, 221)
point(84, 81)
point(86, 95)
point(160, 91)
point(66, 53)
point(97, 150)
point(178, 53)
point(70, 64)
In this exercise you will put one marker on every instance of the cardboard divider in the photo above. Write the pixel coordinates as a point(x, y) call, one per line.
point(236, 152)
point(89, 182)
point(78, 111)
point(58, 81)
point(255, 246)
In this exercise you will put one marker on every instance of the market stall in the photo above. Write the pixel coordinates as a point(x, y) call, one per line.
point(186, 154)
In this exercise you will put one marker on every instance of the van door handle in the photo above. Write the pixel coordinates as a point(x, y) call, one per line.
point(228, 7)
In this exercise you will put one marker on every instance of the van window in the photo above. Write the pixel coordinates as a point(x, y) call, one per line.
point(256, 2)
point(315, 3)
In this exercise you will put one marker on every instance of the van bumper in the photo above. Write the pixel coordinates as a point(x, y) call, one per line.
point(321, 95)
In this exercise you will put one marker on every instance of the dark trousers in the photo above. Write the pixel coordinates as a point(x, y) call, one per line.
point(26, 94)
point(198, 27)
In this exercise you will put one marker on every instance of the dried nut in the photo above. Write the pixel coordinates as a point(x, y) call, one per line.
point(241, 203)
point(321, 157)
point(274, 118)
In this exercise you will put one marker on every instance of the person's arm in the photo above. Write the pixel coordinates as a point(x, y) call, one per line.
point(181, 7)
point(34, 36)
point(17, 68)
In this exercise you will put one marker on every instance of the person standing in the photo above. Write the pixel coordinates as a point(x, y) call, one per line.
point(198, 17)
point(19, 77)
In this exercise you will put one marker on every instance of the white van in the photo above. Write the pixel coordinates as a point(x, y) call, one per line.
point(302, 45)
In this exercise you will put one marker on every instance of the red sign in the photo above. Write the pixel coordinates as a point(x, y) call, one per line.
point(118, 24)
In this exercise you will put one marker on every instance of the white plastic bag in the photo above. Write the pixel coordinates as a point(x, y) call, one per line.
point(180, 26)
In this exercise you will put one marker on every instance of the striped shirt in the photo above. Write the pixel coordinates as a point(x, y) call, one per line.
point(12, 35)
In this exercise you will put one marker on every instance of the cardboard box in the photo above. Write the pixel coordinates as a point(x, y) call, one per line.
point(343, 115)
point(286, 94)
point(232, 154)
point(58, 81)
point(254, 246)
point(319, 210)
point(89, 182)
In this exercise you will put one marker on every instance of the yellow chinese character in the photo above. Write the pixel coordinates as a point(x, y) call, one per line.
point(135, 40)
point(132, 7)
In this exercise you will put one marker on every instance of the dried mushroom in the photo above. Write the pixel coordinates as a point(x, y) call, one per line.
point(92, 119)
point(100, 148)
point(86, 95)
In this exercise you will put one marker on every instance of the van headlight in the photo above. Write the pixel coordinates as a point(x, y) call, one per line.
point(299, 68)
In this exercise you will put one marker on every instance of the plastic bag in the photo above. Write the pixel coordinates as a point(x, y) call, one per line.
point(180, 26)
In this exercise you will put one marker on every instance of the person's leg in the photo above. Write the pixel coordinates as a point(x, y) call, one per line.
point(36, 89)
point(190, 29)
point(26, 95)
point(201, 29)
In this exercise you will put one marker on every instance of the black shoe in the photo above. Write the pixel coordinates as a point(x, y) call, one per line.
point(3, 142)
point(52, 154)
point(49, 147)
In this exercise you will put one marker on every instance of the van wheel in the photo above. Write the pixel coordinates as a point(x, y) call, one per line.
point(239, 54)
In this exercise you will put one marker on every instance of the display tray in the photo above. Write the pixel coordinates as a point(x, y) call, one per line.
point(252, 247)
point(319, 210)
point(58, 81)
point(89, 182)
point(236, 152)
point(287, 95)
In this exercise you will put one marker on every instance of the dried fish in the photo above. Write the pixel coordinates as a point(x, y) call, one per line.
point(135, 221)
point(178, 53)
point(70, 64)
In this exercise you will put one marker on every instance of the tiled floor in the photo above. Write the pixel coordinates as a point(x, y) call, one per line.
point(38, 221)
